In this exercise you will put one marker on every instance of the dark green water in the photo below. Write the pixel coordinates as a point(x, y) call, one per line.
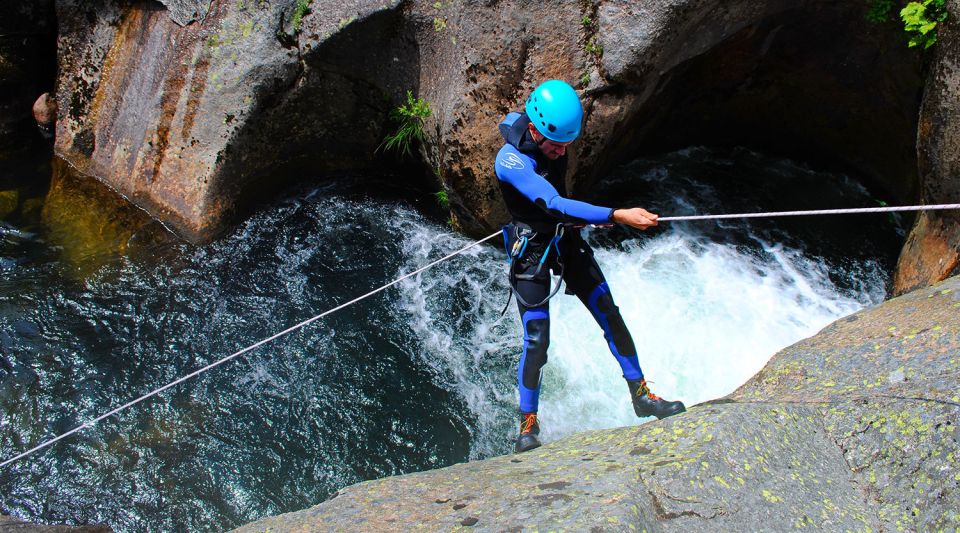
point(420, 377)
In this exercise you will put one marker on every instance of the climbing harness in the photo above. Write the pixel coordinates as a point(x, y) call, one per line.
point(510, 246)
point(524, 250)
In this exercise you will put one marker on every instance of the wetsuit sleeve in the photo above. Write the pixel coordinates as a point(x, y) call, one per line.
point(519, 171)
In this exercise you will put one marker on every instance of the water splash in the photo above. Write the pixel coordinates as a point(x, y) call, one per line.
point(705, 317)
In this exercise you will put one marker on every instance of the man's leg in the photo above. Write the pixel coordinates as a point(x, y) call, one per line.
point(585, 279)
point(536, 340)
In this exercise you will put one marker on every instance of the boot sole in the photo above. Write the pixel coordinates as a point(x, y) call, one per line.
point(527, 446)
point(677, 412)
point(661, 417)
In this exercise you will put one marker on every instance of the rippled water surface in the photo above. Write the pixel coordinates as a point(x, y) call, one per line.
point(419, 377)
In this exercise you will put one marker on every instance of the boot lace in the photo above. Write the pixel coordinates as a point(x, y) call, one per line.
point(529, 421)
point(644, 389)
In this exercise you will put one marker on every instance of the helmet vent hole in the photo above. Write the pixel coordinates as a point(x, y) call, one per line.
point(551, 127)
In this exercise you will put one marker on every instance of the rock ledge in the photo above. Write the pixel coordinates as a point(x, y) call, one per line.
point(853, 429)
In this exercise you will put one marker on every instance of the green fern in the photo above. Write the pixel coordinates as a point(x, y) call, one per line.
point(585, 78)
point(442, 199)
point(593, 47)
point(410, 118)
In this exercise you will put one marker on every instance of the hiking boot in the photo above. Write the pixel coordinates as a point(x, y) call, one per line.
point(646, 403)
point(529, 429)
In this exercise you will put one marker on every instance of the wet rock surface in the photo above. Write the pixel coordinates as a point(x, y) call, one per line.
point(91, 225)
point(853, 429)
point(184, 120)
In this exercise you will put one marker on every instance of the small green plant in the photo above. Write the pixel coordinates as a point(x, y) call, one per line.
point(442, 200)
point(301, 9)
point(410, 118)
point(439, 24)
point(593, 47)
point(585, 78)
point(920, 20)
point(586, 20)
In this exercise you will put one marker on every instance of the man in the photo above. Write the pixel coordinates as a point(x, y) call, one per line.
point(544, 236)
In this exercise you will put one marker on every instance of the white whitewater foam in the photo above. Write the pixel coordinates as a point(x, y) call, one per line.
point(705, 317)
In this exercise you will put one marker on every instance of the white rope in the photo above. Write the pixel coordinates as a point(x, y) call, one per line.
point(818, 212)
point(430, 265)
point(241, 352)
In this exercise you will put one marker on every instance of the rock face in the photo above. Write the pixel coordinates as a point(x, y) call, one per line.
point(184, 12)
point(932, 251)
point(193, 122)
point(182, 120)
point(855, 429)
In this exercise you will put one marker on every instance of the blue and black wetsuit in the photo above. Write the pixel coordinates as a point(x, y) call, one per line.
point(534, 190)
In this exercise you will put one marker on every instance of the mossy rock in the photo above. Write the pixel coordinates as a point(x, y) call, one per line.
point(89, 222)
point(31, 208)
point(9, 200)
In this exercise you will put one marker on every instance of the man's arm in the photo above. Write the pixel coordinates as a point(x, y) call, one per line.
point(519, 171)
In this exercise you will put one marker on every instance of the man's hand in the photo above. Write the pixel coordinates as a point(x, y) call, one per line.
point(637, 217)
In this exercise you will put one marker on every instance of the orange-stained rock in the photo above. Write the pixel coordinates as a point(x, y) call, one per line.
point(931, 253)
point(932, 250)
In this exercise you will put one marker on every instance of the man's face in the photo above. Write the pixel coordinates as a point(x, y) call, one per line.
point(551, 149)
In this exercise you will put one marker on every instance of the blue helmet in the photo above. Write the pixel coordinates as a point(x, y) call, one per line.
point(555, 110)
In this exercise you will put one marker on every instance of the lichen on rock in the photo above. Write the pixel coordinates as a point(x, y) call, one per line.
point(853, 429)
